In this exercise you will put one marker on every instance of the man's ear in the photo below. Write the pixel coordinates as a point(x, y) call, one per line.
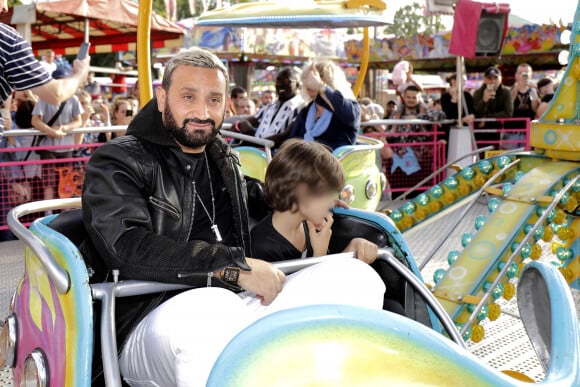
point(161, 94)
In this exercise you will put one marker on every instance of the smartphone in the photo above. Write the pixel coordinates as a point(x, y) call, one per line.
point(490, 87)
point(129, 113)
point(83, 51)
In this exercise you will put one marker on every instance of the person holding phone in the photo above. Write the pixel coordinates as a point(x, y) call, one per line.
point(491, 100)
point(22, 71)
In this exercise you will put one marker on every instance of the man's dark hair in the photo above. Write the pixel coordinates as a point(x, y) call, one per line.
point(236, 91)
point(300, 162)
point(291, 72)
point(412, 88)
point(195, 57)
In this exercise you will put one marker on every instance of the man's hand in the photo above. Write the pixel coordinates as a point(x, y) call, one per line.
point(80, 68)
point(469, 119)
point(320, 235)
point(264, 280)
point(57, 132)
point(488, 94)
point(365, 251)
point(246, 128)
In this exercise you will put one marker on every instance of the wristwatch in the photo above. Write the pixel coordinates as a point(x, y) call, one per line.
point(230, 275)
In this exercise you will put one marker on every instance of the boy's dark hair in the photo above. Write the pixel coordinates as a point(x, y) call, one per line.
point(300, 162)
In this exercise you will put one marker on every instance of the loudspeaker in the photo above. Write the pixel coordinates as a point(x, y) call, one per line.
point(490, 34)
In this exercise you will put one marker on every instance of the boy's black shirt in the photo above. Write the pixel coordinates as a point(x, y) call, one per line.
point(269, 245)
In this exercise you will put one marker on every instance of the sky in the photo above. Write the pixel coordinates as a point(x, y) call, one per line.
point(536, 11)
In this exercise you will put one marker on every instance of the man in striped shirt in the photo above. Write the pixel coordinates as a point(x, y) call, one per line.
point(20, 70)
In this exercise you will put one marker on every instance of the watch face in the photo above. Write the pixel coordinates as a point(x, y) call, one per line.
point(231, 275)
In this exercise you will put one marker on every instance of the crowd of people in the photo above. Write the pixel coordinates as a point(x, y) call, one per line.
point(314, 103)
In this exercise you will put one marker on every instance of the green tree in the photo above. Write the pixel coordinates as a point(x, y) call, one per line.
point(183, 11)
point(411, 20)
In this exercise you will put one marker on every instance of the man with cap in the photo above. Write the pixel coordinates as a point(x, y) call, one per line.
point(492, 100)
point(56, 121)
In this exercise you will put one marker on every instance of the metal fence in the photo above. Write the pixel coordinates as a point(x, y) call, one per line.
point(26, 174)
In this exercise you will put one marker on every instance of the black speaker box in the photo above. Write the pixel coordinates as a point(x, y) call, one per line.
point(490, 34)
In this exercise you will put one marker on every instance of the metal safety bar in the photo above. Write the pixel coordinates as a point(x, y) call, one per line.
point(34, 132)
point(55, 272)
point(267, 144)
point(512, 257)
point(465, 211)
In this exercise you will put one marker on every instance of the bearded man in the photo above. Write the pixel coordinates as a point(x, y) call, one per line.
point(166, 203)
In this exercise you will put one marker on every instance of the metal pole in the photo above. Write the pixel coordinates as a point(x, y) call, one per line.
point(459, 84)
point(87, 30)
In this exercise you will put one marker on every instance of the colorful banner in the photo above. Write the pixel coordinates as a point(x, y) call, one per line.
point(338, 44)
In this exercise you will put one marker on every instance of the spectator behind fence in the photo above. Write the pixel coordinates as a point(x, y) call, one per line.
point(391, 107)
point(245, 107)
point(90, 119)
point(236, 93)
point(48, 61)
point(92, 86)
point(526, 101)
point(410, 163)
point(56, 121)
point(370, 113)
point(492, 100)
point(333, 116)
point(546, 90)
point(21, 71)
point(274, 121)
point(119, 88)
point(267, 98)
point(121, 114)
point(449, 106)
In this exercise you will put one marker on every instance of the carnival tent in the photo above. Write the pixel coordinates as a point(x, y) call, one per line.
point(112, 24)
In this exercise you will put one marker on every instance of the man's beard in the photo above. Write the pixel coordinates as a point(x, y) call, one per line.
point(184, 137)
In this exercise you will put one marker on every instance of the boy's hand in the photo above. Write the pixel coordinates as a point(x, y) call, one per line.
point(264, 280)
point(320, 235)
point(365, 251)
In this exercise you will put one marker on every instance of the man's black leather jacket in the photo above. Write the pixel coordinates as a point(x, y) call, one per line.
point(138, 206)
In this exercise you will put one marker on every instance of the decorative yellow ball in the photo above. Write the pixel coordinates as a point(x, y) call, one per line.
point(407, 222)
point(494, 311)
point(560, 217)
point(435, 206)
point(464, 189)
point(564, 233)
point(548, 234)
point(449, 197)
point(536, 252)
point(509, 291)
point(477, 333)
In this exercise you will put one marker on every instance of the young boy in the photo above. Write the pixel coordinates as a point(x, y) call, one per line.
point(302, 183)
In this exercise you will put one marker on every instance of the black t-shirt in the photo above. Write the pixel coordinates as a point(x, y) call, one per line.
point(201, 229)
point(523, 105)
point(269, 245)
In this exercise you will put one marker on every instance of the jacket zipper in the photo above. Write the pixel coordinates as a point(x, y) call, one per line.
point(164, 206)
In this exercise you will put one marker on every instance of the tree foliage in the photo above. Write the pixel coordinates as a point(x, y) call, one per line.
point(411, 20)
point(183, 11)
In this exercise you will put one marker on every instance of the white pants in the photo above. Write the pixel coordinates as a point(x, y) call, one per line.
point(178, 342)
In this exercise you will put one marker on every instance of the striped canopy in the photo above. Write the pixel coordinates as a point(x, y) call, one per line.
point(60, 26)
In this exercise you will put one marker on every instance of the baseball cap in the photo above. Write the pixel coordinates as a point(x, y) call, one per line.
point(60, 73)
point(492, 72)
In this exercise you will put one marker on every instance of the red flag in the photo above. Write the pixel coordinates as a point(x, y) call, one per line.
point(466, 24)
